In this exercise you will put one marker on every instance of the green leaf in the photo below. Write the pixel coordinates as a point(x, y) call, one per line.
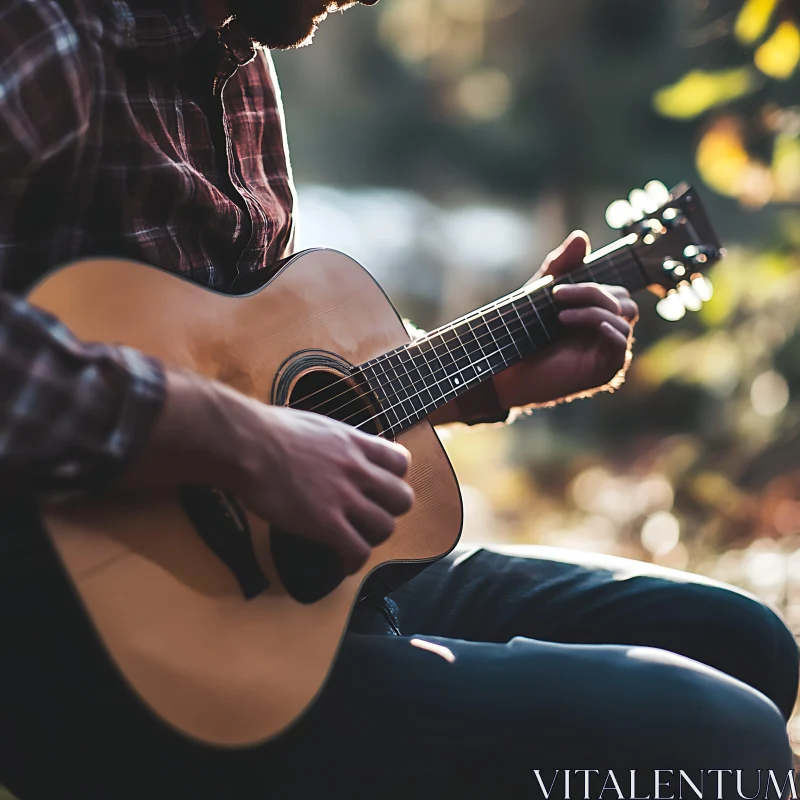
point(698, 91)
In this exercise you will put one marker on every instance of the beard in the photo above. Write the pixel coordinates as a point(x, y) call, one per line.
point(283, 24)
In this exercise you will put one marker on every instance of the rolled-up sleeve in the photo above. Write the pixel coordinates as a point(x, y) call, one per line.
point(72, 414)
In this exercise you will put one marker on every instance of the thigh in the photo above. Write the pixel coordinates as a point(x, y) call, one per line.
point(442, 717)
point(572, 597)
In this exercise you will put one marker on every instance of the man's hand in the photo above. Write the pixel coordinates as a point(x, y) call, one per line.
point(595, 351)
point(327, 481)
point(302, 472)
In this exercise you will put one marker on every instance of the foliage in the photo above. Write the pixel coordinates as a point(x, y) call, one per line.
point(725, 159)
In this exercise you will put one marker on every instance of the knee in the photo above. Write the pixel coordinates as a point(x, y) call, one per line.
point(706, 719)
point(782, 667)
point(761, 649)
point(737, 634)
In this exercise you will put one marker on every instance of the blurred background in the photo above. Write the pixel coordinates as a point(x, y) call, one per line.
point(448, 145)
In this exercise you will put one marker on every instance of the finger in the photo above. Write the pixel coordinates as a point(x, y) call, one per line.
point(582, 295)
point(388, 491)
point(371, 521)
point(569, 256)
point(630, 309)
point(617, 340)
point(389, 455)
point(351, 548)
point(593, 318)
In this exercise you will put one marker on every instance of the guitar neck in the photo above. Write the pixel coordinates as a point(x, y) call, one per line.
point(414, 380)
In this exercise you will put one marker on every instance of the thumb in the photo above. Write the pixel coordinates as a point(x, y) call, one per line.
point(567, 257)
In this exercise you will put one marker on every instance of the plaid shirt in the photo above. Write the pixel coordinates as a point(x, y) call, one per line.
point(132, 132)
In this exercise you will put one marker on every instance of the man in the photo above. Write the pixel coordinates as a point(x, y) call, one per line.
point(131, 129)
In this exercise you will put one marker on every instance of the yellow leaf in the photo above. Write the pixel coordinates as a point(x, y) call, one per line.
point(722, 159)
point(725, 165)
point(698, 91)
point(779, 55)
point(753, 20)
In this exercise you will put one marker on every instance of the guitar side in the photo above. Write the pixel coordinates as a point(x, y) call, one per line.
point(217, 666)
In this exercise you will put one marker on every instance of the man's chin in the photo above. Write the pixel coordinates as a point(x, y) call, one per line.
point(284, 24)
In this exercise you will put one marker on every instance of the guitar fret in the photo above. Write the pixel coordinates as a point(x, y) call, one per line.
point(532, 302)
point(441, 363)
point(523, 327)
point(467, 371)
point(489, 317)
point(487, 356)
point(612, 261)
point(377, 385)
point(399, 389)
point(417, 378)
point(413, 377)
point(426, 373)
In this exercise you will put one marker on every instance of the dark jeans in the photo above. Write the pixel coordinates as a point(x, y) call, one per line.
point(508, 665)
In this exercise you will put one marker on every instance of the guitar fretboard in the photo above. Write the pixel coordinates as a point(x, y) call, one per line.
point(414, 380)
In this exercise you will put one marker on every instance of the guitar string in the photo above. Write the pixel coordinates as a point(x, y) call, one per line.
point(514, 315)
point(466, 356)
point(408, 417)
point(517, 294)
point(428, 386)
point(608, 260)
point(608, 263)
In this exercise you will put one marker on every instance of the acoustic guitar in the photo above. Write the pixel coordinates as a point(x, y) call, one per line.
point(224, 626)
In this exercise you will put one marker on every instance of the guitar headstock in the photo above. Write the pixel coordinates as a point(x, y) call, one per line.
point(674, 243)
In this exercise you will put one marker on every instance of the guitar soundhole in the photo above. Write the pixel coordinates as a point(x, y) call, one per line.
point(307, 569)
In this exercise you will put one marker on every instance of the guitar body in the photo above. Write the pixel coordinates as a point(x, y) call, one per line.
point(225, 627)
point(232, 656)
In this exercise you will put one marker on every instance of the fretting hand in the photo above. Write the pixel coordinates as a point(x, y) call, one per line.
point(595, 350)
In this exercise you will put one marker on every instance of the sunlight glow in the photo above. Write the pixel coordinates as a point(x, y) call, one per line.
point(437, 649)
point(769, 394)
point(485, 94)
point(661, 532)
point(765, 569)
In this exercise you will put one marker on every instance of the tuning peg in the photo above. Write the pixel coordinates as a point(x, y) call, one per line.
point(691, 300)
point(658, 193)
point(671, 307)
point(620, 214)
point(674, 269)
point(641, 203)
point(703, 287)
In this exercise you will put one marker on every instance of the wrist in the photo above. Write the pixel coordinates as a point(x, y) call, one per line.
point(194, 439)
point(482, 404)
